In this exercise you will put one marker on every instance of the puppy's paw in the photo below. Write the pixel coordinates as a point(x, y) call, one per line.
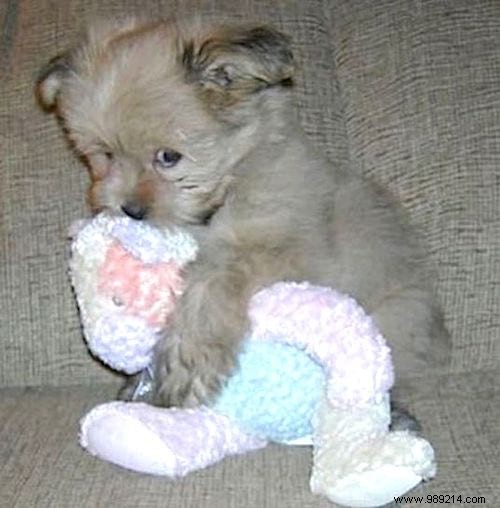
point(191, 375)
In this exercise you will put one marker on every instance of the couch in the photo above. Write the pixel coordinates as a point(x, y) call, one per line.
point(406, 92)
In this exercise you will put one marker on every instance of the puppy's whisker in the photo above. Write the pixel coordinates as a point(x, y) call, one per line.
point(190, 157)
point(181, 134)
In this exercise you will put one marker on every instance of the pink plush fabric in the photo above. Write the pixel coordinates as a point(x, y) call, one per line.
point(334, 330)
point(147, 291)
point(154, 440)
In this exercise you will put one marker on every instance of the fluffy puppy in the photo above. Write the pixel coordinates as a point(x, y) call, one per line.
point(194, 125)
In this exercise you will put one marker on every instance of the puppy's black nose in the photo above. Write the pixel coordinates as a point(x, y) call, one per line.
point(135, 210)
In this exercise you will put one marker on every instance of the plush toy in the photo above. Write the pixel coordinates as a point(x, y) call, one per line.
point(313, 370)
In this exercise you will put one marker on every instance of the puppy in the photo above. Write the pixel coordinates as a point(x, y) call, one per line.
point(194, 125)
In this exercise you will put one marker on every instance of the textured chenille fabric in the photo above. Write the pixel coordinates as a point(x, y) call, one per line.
point(406, 92)
point(127, 277)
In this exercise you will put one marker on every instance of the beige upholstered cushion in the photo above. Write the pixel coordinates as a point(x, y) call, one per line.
point(404, 91)
point(420, 85)
point(406, 94)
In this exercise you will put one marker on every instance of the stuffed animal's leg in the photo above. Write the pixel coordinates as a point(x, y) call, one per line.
point(171, 442)
point(359, 463)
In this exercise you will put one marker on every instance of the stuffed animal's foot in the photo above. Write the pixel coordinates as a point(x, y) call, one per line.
point(379, 470)
point(358, 463)
point(160, 441)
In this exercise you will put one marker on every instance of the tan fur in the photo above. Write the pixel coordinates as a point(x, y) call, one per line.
point(264, 205)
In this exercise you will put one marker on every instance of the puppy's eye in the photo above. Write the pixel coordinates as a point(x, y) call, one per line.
point(165, 158)
point(108, 155)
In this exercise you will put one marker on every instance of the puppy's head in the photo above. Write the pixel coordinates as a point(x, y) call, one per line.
point(165, 112)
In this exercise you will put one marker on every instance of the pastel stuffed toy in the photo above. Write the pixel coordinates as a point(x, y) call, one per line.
point(314, 370)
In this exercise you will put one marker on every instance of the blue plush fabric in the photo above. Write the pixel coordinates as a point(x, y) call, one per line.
point(275, 391)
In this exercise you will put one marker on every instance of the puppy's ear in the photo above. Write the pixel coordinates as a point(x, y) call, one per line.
point(51, 78)
point(99, 34)
point(241, 60)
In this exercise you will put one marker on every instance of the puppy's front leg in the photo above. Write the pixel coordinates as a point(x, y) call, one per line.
point(194, 359)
